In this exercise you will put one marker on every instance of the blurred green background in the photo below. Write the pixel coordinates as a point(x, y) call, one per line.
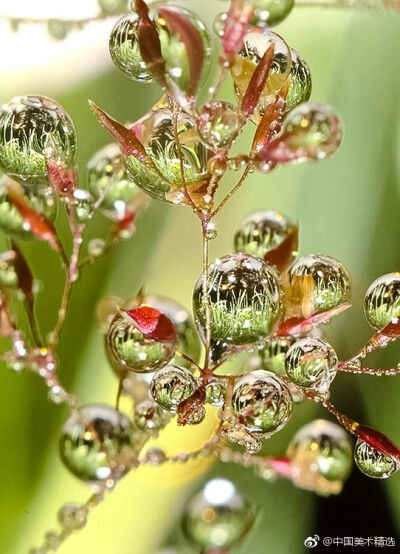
point(348, 207)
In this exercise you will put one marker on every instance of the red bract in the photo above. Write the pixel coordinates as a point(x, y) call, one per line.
point(299, 325)
point(235, 28)
point(153, 323)
point(130, 144)
point(257, 83)
point(270, 123)
point(126, 221)
point(388, 334)
point(37, 222)
point(62, 179)
point(149, 44)
point(378, 440)
point(24, 274)
point(191, 405)
point(190, 37)
point(281, 256)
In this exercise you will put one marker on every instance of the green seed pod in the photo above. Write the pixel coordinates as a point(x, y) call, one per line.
point(382, 301)
point(32, 127)
point(373, 463)
point(96, 442)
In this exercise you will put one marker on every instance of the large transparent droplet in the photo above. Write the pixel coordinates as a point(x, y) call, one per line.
point(107, 177)
point(270, 12)
point(261, 232)
point(263, 402)
point(96, 442)
point(245, 301)
point(130, 350)
point(321, 456)
point(149, 417)
point(217, 517)
point(311, 364)
point(125, 51)
point(31, 127)
point(218, 124)
point(318, 283)
point(156, 131)
point(300, 81)
point(382, 301)
point(256, 43)
point(171, 385)
point(373, 463)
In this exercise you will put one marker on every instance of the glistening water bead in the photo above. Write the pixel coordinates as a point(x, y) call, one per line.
point(382, 301)
point(218, 124)
point(245, 301)
point(256, 43)
point(321, 456)
point(261, 232)
point(262, 401)
point(300, 83)
point(112, 7)
point(171, 385)
point(373, 463)
point(270, 12)
point(31, 127)
point(319, 283)
point(217, 517)
point(130, 350)
point(156, 131)
point(96, 442)
point(107, 178)
point(311, 364)
point(125, 51)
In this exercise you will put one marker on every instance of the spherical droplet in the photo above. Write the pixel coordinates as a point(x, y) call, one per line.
point(72, 516)
point(129, 349)
point(300, 81)
point(319, 281)
point(270, 12)
point(58, 29)
point(156, 132)
point(373, 463)
point(96, 247)
point(211, 231)
point(311, 364)
point(83, 202)
point(263, 401)
point(321, 456)
point(11, 221)
point(171, 385)
point(219, 24)
point(245, 300)
point(382, 301)
point(112, 7)
point(256, 43)
point(96, 441)
point(216, 391)
point(8, 273)
point(218, 124)
point(261, 232)
point(149, 417)
point(155, 456)
point(125, 51)
point(107, 178)
point(217, 517)
point(311, 132)
point(28, 126)
point(273, 352)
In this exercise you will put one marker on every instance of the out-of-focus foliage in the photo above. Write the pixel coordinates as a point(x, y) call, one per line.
point(347, 207)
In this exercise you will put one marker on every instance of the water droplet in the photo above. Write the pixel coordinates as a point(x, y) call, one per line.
point(218, 124)
point(107, 177)
point(125, 51)
point(382, 301)
point(156, 132)
point(57, 395)
point(237, 163)
point(72, 516)
point(268, 13)
point(216, 391)
point(29, 125)
point(129, 349)
point(171, 385)
point(373, 463)
point(311, 364)
point(273, 353)
point(318, 283)
point(8, 273)
point(96, 441)
point(219, 24)
point(155, 456)
point(321, 457)
point(245, 299)
point(256, 43)
point(263, 401)
point(96, 247)
point(58, 29)
point(149, 417)
point(83, 202)
point(52, 540)
point(211, 231)
point(300, 81)
point(261, 232)
point(112, 7)
point(218, 516)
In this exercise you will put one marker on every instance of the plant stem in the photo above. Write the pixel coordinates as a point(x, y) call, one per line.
point(206, 297)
